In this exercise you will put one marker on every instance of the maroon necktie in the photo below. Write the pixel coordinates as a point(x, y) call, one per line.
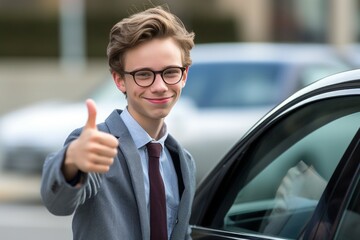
point(158, 222)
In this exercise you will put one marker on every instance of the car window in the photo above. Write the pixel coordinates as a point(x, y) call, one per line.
point(350, 223)
point(212, 85)
point(288, 168)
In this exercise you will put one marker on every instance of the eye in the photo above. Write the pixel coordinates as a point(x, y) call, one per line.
point(172, 72)
point(144, 75)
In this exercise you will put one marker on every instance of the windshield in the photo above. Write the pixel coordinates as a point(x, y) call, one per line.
point(234, 84)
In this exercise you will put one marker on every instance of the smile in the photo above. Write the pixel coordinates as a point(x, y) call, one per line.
point(159, 100)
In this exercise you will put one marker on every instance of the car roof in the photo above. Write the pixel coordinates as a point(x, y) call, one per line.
point(265, 52)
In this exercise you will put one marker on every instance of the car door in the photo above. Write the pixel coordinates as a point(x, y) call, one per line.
point(280, 182)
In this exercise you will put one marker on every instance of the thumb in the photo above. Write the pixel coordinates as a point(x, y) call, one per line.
point(91, 107)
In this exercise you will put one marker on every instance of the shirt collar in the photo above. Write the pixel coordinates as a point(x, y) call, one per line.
point(139, 135)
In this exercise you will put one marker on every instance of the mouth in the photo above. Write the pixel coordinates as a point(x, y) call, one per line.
point(162, 100)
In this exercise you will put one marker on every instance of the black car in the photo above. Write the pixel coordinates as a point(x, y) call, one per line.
point(294, 175)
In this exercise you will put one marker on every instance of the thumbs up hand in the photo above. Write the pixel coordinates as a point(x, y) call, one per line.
point(93, 151)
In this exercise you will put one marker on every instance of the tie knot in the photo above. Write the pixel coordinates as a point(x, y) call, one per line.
point(154, 149)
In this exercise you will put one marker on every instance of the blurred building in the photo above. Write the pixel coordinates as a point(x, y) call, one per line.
point(38, 21)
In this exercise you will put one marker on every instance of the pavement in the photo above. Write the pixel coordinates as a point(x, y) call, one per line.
point(22, 214)
point(33, 222)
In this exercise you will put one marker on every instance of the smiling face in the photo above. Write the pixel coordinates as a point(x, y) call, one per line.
point(150, 105)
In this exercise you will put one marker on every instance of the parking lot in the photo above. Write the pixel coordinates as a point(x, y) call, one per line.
point(18, 222)
point(22, 214)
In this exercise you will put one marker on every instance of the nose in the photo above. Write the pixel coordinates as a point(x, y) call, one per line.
point(159, 83)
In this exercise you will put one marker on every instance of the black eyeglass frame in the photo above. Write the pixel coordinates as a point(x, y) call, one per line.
point(161, 72)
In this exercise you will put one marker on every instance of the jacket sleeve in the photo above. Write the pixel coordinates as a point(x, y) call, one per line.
point(60, 197)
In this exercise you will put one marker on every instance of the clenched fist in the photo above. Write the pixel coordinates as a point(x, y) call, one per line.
point(93, 151)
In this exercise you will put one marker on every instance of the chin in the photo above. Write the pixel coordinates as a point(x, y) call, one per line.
point(161, 113)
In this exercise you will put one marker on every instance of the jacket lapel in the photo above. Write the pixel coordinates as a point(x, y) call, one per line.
point(187, 181)
point(129, 152)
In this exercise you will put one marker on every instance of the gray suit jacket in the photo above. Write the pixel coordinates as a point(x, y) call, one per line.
point(112, 205)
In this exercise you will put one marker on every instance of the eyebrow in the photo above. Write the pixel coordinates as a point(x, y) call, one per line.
point(147, 68)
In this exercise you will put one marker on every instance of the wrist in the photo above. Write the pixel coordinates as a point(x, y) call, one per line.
point(69, 168)
point(77, 179)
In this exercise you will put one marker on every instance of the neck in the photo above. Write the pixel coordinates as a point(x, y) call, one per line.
point(156, 132)
point(153, 126)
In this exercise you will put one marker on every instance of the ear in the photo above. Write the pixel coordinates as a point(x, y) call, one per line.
point(119, 81)
point(183, 81)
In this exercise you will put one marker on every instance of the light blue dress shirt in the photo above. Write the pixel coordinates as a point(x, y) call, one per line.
point(167, 169)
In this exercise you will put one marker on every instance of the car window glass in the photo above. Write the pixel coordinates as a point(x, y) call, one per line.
point(350, 223)
point(233, 84)
point(289, 168)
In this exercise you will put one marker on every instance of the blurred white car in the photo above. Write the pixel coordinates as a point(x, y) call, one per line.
point(351, 53)
point(230, 86)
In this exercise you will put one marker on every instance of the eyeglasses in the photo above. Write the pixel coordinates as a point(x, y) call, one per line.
point(146, 77)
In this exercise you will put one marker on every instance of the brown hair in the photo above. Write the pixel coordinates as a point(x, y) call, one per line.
point(144, 26)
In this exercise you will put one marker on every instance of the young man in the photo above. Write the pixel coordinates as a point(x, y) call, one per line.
point(102, 175)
